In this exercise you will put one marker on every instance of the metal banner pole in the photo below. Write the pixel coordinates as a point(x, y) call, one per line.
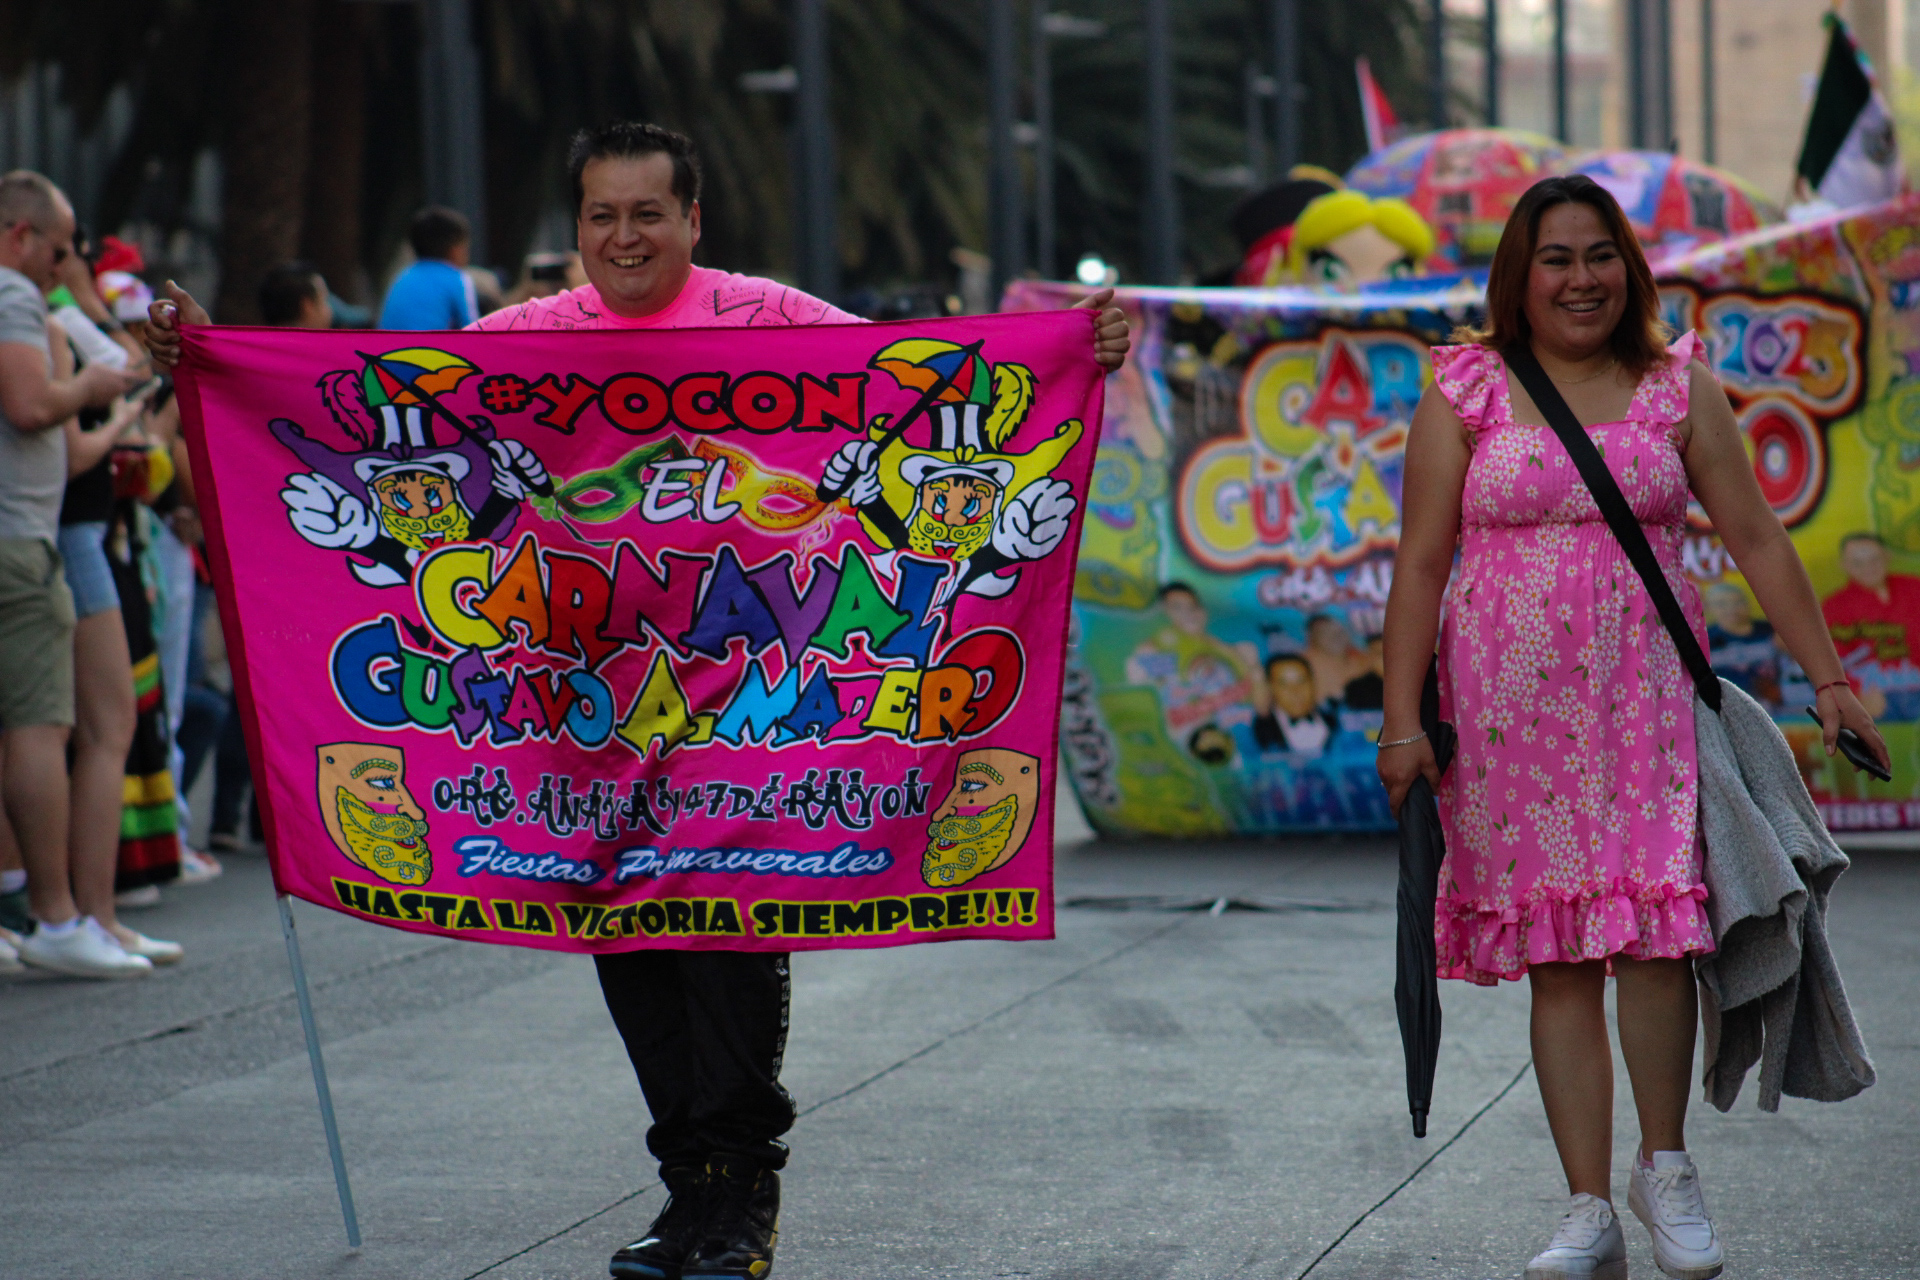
point(305, 1002)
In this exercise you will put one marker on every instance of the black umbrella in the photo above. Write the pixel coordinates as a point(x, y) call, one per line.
point(1416, 988)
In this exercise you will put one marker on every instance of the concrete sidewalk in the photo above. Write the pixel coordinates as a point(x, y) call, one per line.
point(1153, 1095)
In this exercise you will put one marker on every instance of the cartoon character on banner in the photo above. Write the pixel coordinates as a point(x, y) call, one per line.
point(985, 818)
point(966, 498)
point(418, 475)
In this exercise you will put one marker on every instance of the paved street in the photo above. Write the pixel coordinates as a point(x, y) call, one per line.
point(1155, 1094)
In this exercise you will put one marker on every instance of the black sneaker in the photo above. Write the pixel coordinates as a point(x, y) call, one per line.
point(658, 1254)
point(743, 1222)
point(14, 914)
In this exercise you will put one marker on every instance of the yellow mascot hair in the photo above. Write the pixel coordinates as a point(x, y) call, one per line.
point(1333, 215)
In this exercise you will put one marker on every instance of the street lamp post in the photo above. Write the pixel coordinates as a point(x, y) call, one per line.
point(1004, 203)
point(1437, 60)
point(1048, 27)
point(1650, 73)
point(1708, 151)
point(818, 221)
point(1491, 106)
point(1286, 79)
point(1560, 123)
point(450, 104)
point(1162, 222)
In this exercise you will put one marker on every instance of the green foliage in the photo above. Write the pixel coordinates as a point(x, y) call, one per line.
point(908, 103)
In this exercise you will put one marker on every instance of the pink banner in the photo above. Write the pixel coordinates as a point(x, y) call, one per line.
point(738, 639)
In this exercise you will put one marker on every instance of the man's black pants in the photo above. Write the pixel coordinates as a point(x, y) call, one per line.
point(706, 1031)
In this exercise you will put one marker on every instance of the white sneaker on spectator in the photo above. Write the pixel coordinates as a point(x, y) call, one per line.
point(1665, 1196)
point(198, 868)
point(147, 895)
point(1588, 1244)
point(139, 944)
point(88, 951)
point(10, 952)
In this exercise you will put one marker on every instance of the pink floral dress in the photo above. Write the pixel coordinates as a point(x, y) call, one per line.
point(1571, 809)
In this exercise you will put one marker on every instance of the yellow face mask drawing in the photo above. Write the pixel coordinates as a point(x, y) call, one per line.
point(954, 505)
point(369, 812)
point(421, 509)
point(985, 818)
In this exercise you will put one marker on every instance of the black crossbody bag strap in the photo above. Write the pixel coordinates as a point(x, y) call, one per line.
point(1619, 517)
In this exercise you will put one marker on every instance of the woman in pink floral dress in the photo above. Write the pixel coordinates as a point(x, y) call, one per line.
point(1571, 809)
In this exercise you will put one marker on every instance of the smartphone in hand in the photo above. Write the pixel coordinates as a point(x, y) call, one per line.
point(1854, 748)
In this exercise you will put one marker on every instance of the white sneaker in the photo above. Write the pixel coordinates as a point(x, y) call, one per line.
point(197, 867)
point(87, 952)
point(1588, 1244)
point(139, 944)
point(147, 895)
point(10, 952)
point(1666, 1197)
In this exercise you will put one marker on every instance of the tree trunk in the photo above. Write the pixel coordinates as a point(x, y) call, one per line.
point(264, 188)
point(337, 148)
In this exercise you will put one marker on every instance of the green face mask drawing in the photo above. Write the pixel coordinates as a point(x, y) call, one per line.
point(369, 812)
point(985, 818)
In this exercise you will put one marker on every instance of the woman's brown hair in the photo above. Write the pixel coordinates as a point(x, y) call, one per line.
point(1640, 339)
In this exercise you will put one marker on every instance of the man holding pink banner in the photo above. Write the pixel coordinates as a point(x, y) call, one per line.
point(678, 650)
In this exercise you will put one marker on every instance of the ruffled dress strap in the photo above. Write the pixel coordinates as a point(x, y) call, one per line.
point(1663, 395)
point(1473, 379)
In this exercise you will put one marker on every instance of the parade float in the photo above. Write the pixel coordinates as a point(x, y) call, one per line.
point(1238, 548)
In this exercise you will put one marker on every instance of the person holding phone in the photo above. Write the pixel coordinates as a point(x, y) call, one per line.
point(37, 398)
point(1571, 810)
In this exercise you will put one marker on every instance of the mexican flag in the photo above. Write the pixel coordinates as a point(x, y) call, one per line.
point(1850, 155)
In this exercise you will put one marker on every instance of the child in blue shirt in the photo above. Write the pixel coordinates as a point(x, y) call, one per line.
point(434, 293)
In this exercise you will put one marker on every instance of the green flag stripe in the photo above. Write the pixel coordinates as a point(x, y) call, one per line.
point(1843, 93)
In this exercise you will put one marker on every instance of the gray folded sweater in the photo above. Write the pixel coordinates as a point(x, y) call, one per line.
point(1771, 993)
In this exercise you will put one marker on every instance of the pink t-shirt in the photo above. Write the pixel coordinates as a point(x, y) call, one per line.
point(711, 299)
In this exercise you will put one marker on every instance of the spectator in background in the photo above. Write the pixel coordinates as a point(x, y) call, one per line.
point(294, 295)
point(36, 607)
point(542, 275)
point(1366, 691)
point(1740, 645)
point(108, 635)
point(435, 292)
point(116, 275)
point(1331, 653)
point(97, 334)
point(15, 921)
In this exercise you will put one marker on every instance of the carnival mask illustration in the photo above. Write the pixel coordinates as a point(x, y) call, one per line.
point(985, 817)
point(369, 812)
